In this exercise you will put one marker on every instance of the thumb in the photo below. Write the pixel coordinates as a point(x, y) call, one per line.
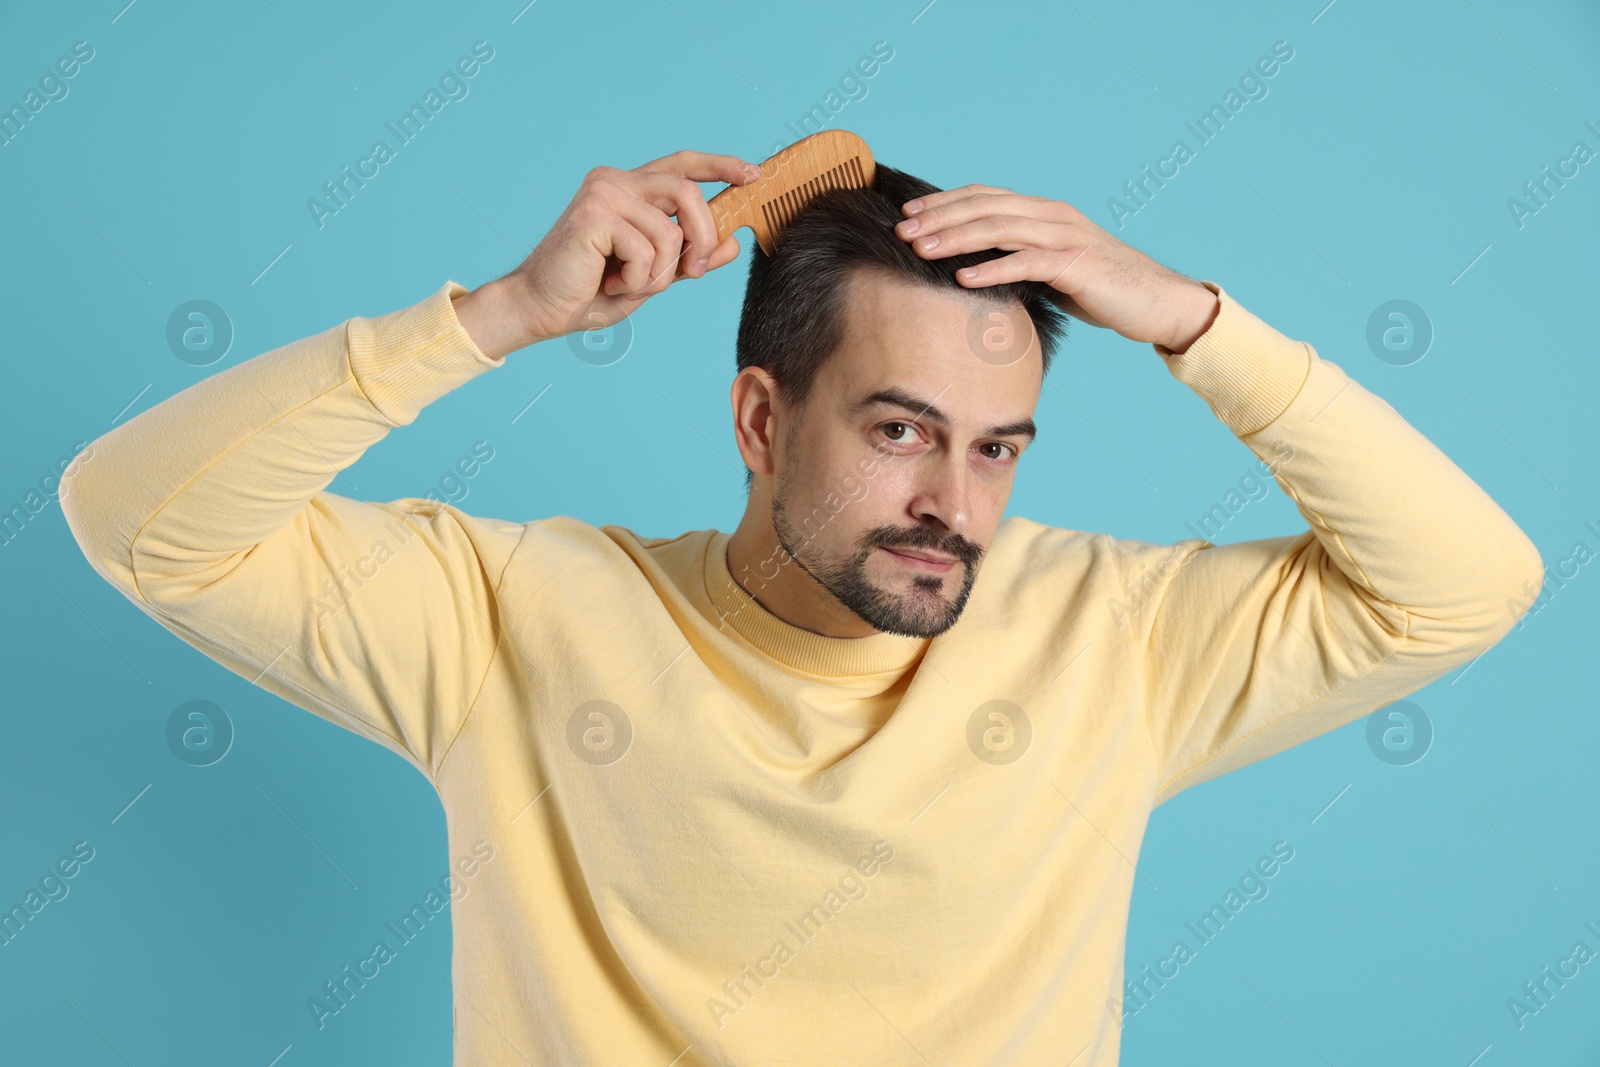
point(1067, 304)
point(725, 253)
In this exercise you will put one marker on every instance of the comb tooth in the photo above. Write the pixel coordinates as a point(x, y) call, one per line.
point(781, 210)
point(774, 219)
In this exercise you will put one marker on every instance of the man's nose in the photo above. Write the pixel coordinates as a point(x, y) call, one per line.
point(943, 493)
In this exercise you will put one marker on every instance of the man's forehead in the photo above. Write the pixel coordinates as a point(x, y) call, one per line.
point(899, 335)
point(878, 302)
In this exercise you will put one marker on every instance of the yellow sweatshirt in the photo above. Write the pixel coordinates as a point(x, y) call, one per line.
point(721, 839)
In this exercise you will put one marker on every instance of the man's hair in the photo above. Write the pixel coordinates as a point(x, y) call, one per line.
point(794, 300)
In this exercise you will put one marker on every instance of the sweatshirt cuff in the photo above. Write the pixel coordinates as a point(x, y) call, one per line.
point(409, 358)
point(1244, 369)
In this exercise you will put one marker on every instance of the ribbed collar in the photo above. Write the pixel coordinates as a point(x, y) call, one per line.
point(791, 645)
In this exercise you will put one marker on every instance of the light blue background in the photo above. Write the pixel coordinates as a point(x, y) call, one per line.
point(1377, 168)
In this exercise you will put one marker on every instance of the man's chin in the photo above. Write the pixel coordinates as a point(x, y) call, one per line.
point(908, 611)
point(903, 627)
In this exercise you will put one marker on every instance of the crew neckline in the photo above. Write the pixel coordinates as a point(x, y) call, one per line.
point(790, 645)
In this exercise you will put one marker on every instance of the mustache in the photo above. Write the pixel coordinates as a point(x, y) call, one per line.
point(928, 540)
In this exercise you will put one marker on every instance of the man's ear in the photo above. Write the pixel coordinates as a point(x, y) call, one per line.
point(754, 426)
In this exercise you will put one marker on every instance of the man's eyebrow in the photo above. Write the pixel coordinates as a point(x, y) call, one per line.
point(897, 397)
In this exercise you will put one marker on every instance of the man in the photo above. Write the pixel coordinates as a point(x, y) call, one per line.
point(864, 781)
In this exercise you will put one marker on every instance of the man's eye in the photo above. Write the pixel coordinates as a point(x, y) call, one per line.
point(1005, 450)
point(892, 436)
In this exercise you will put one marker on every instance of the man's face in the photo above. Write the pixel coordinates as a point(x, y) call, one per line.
point(908, 441)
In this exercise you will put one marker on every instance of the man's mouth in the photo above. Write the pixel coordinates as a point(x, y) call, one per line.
point(923, 560)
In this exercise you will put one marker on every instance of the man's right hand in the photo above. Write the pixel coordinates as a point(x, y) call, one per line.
point(614, 247)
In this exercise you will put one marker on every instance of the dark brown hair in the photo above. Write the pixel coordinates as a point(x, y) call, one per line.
point(794, 311)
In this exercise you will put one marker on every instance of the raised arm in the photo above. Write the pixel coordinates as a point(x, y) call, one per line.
point(210, 511)
point(1408, 569)
point(1405, 573)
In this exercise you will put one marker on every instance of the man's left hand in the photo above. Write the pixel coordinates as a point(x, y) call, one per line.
point(1101, 280)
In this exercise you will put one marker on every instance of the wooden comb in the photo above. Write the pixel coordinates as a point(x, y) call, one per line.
point(831, 159)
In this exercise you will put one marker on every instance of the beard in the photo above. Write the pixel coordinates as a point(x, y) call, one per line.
point(920, 610)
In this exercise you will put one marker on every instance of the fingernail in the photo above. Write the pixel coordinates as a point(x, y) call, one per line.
point(913, 206)
point(928, 241)
point(699, 266)
point(751, 169)
point(910, 226)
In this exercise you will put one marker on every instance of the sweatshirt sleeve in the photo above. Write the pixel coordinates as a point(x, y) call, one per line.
point(1408, 569)
point(209, 512)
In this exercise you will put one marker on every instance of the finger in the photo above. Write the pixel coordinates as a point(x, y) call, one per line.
point(726, 253)
point(939, 217)
point(1073, 308)
point(666, 241)
point(946, 196)
point(632, 249)
point(1054, 268)
point(704, 167)
point(675, 195)
point(1009, 233)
